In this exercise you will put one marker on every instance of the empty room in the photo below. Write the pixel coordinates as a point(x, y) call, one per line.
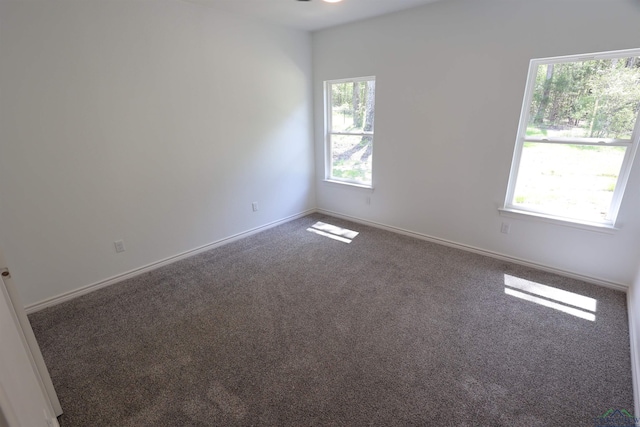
point(282, 212)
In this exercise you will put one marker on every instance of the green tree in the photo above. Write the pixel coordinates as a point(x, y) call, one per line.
point(617, 93)
point(357, 118)
point(595, 98)
point(544, 99)
point(366, 141)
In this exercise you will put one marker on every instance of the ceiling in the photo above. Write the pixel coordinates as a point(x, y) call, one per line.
point(314, 14)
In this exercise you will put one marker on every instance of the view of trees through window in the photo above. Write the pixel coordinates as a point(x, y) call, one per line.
point(587, 99)
point(352, 109)
point(580, 123)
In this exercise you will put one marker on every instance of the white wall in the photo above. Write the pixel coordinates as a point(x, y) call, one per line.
point(155, 122)
point(450, 79)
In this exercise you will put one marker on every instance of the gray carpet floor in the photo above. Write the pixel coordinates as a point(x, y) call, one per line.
point(288, 327)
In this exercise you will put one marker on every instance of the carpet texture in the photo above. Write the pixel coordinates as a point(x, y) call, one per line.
point(291, 328)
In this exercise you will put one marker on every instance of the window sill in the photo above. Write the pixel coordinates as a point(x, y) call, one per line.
point(583, 225)
point(350, 184)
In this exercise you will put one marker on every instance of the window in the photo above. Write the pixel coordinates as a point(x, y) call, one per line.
point(349, 117)
point(577, 137)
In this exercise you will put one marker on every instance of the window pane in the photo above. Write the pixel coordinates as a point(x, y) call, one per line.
point(351, 158)
point(352, 106)
point(586, 99)
point(575, 181)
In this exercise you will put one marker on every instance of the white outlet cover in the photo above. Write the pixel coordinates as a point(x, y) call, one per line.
point(506, 228)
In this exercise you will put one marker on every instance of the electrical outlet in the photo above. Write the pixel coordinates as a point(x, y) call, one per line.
point(119, 244)
point(506, 228)
point(254, 206)
point(368, 200)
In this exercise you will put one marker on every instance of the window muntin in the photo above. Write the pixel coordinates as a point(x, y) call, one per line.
point(577, 136)
point(349, 120)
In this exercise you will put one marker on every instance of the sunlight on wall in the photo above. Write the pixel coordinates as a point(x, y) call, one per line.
point(548, 296)
point(333, 232)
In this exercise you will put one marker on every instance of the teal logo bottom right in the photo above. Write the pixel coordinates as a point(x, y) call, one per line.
point(617, 418)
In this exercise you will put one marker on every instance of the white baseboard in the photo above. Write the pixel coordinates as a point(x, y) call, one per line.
point(634, 312)
point(32, 308)
point(468, 248)
point(634, 335)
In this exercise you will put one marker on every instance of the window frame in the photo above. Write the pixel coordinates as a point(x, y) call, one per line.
point(328, 147)
point(521, 138)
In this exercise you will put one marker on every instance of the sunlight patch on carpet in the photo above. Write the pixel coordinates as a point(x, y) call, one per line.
point(333, 232)
point(548, 296)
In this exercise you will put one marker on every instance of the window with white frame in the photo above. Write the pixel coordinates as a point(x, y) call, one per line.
point(577, 137)
point(349, 122)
